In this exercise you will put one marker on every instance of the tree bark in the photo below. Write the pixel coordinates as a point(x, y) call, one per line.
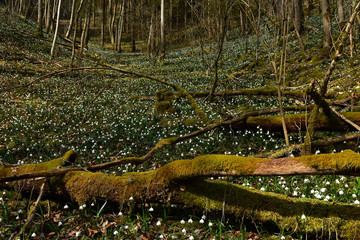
point(84, 34)
point(72, 17)
point(340, 8)
point(103, 23)
point(132, 14)
point(39, 19)
point(121, 26)
point(325, 11)
point(298, 15)
point(52, 52)
point(162, 29)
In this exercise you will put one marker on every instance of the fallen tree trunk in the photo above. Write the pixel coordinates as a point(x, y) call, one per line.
point(251, 92)
point(296, 122)
point(182, 181)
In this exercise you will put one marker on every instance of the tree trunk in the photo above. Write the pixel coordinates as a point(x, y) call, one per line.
point(75, 33)
point(121, 26)
point(52, 52)
point(39, 19)
point(151, 38)
point(340, 8)
point(103, 23)
point(133, 41)
point(162, 30)
point(72, 17)
point(111, 26)
point(182, 181)
point(84, 34)
point(325, 11)
point(298, 15)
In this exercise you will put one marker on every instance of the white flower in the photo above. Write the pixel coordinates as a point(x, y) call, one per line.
point(120, 213)
point(20, 211)
point(190, 220)
point(33, 235)
point(357, 202)
point(295, 193)
point(354, 195)
point(303, 195)
point(203, 217)
point(191, 238)
point(183, 230)
point(151, 209)
point(0, 220)
point(317, 152)
point(66, 206)
point(282, 237)
point(131, 199)
point(210, 224)
point(81, 207)
point(126, 227)
point(341, 192)
point(303, 216)
point(59, 224)
point(158, 223)
point(201, 221)
point(17, 217)
point(182, 221)
point(262, 189)
point(115, 232)
point(77, 233)
point(323, 190)
point(161, 236)
point(92, 204)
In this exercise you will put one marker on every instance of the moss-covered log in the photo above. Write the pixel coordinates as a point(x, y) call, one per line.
point(296, 122)
point(251, 92)
point(163, 185)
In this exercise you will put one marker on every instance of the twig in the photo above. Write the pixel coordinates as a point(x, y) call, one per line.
point(33, 210)
point(345, 119)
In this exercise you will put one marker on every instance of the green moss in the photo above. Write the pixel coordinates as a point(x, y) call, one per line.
point(69, 157)
point(86, 186)
point(286, 212)
point(163, 102)
point(207, 165)
point(347, 160)
point(191, 121)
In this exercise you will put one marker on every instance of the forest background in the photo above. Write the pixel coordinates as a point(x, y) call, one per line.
point(179, 119)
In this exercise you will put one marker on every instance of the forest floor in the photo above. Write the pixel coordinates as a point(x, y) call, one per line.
point(102, 114)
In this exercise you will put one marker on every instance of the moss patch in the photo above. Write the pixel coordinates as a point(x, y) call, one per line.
point(286, 212)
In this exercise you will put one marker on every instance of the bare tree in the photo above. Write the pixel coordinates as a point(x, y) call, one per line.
point(71, 23)
point(56, 31)
point(325, 11)
point(103, 22)
point(120, 26)
point(162, 29)
point(39, 19)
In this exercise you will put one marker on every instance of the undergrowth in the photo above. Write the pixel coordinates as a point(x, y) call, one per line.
point(75, 111)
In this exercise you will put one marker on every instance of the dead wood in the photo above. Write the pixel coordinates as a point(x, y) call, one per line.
point(179, 182)
point(296, 122)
